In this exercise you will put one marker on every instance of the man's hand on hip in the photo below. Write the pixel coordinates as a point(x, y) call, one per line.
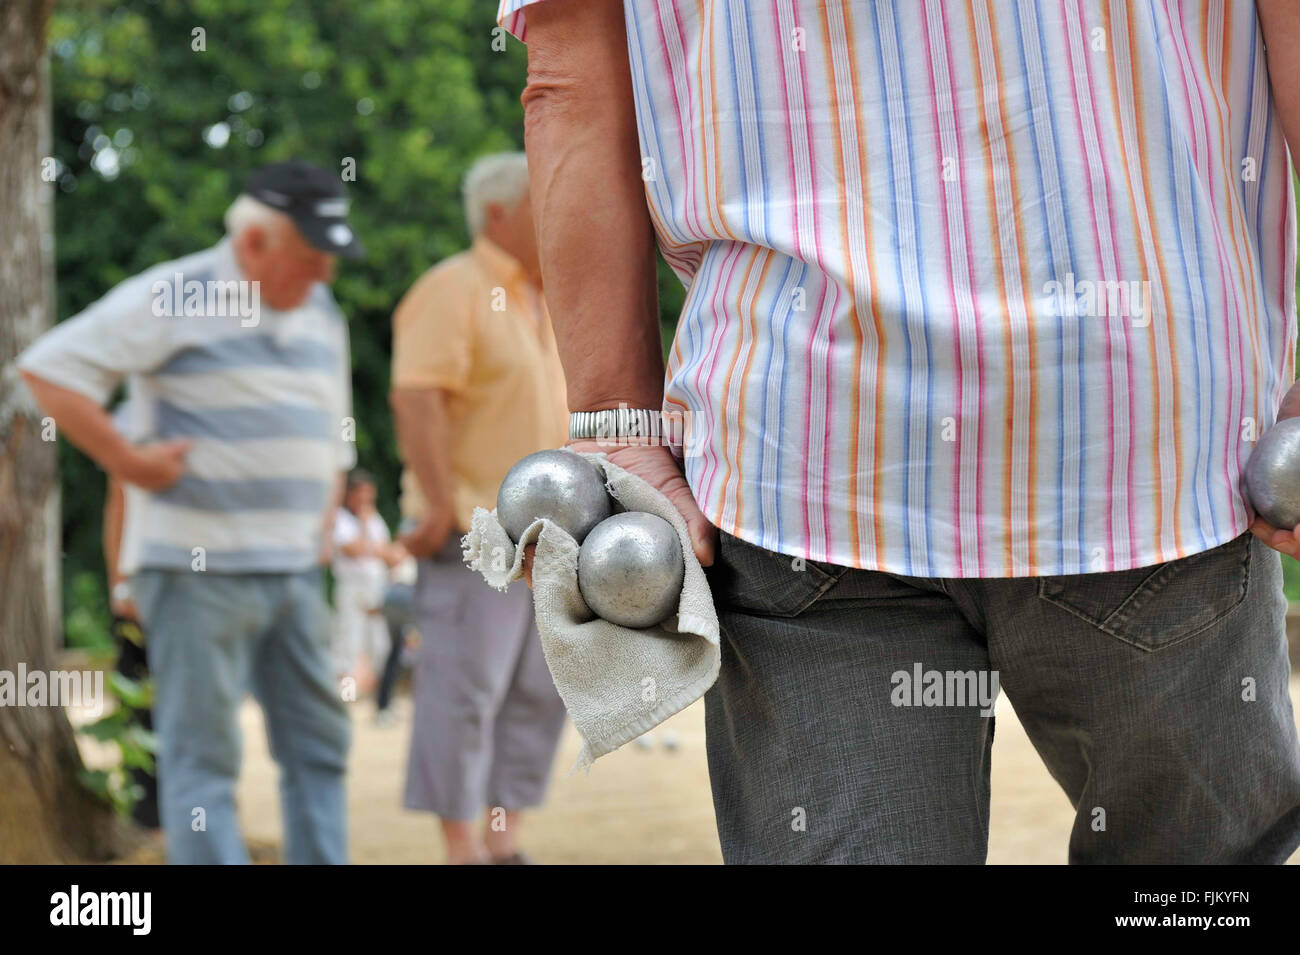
point(155, 467)
point(427, 538)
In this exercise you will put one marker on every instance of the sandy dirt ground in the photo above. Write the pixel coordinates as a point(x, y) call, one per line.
point(635, 806)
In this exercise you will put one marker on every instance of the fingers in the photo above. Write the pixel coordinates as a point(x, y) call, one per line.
point(427, 537)
point(1284, 542)
point(124, 609)
point(704, 535)
point(657, 467)
point(169, 463)
point(527, 565)
point(413, 545)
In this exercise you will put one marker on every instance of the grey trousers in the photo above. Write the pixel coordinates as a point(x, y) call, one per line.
point(487, 714)
point(1157, 698)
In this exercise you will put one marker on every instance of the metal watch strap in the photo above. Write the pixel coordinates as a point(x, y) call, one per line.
point(616, 423)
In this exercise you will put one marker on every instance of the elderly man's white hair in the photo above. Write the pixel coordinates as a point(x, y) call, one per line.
point(246, 211)
point(500, 178)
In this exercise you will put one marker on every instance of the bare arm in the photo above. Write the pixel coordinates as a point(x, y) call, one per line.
point(1279, 21)
point(420, 417)
point(114, 516)
point(593, 229)
point(84, 423)
point(594, 234)
point(326, 549)
point(114, 509)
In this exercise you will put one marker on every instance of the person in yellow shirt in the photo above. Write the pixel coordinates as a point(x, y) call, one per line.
point(477, 384)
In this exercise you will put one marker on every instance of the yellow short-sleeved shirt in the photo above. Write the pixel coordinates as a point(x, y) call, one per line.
point(475, 326)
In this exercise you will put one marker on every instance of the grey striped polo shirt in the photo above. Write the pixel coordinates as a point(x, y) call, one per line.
point(264, 396)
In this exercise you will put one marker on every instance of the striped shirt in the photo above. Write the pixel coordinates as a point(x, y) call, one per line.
point(976, 288)
point(264, 397)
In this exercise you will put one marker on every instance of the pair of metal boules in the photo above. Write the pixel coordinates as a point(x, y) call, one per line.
point(630, 565)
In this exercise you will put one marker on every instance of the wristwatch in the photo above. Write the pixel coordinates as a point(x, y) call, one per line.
point(616, 425)
point(121, 592)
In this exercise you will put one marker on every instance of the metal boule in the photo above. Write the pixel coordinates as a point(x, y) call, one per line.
point(1272, 475)
point(558, 485)
point(630, 570)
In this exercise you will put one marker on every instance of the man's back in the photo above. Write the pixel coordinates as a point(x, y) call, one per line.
point(925, 365)
point(976, 289)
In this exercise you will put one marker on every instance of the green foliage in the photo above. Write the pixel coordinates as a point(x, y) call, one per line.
point(1291, 579)
point(87, 619)
point(135, 744)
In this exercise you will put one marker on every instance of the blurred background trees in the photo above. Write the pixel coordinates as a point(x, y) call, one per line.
point(156, 125)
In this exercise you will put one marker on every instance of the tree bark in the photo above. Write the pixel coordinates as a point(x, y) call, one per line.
point(46, 815)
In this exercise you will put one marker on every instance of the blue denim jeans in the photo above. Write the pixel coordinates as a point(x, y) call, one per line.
point(213, 638)
point(1157, 697)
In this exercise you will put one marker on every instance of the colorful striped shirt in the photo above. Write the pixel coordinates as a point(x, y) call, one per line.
point(263, 396)
point(976, 288)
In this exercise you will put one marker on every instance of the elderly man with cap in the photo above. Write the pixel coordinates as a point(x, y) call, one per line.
point(240, 377)
point(477, 385)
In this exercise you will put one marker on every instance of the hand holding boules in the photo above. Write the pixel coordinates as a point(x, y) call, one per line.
point(601, 667)
point(656, 466)
point(630, 565)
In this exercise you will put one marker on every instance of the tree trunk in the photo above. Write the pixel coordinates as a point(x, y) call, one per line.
point(46, 815)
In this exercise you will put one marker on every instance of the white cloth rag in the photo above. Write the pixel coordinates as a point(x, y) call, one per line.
point(616, 683)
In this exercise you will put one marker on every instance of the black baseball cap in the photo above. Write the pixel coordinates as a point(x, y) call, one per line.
point(314, 198)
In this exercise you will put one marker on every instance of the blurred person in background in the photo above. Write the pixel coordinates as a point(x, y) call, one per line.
point(477, 385)
point(241, 388)
point(362, 557)
point(399, 618)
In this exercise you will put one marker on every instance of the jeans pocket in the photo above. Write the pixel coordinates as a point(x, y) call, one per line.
point(1157, 607)
point(752, 579)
